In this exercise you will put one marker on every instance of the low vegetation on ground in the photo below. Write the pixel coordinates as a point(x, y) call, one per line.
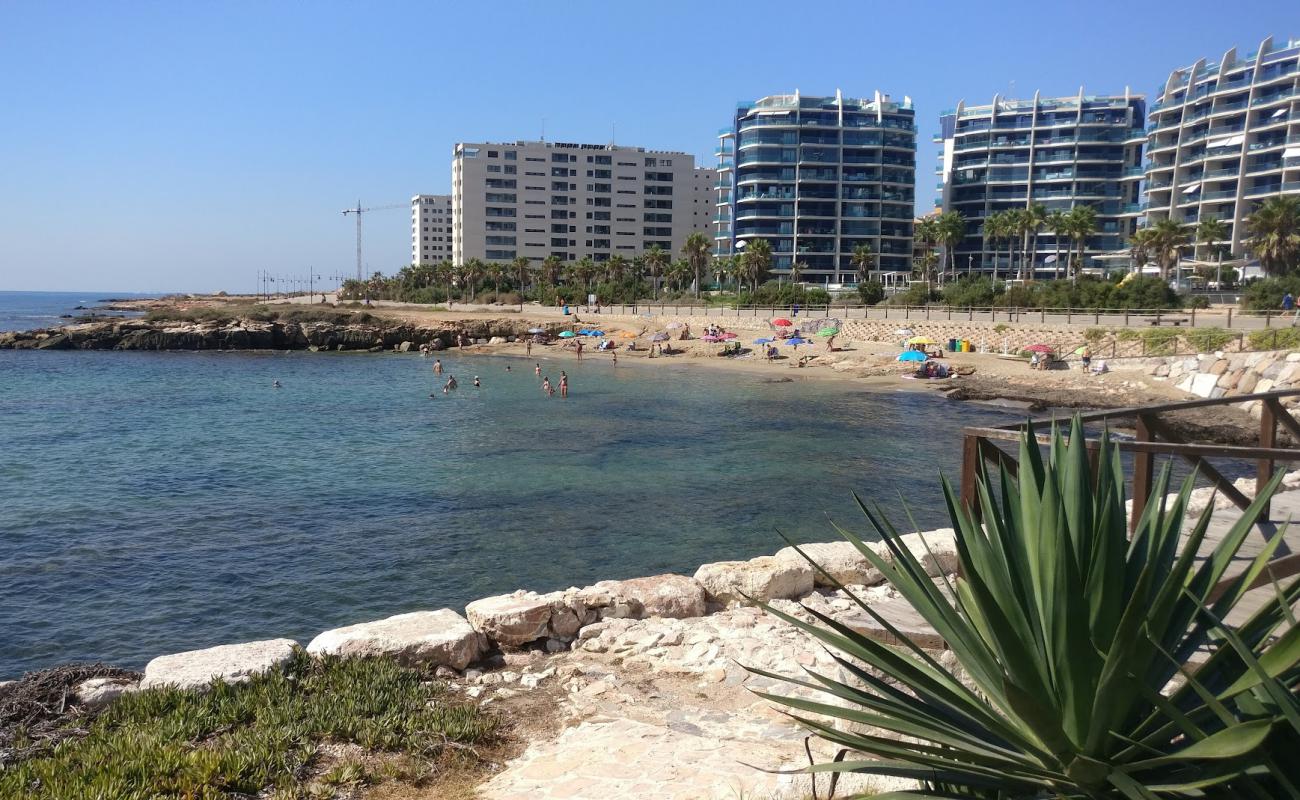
point(309, 729)
point(1086, 663)
point(1085, 293)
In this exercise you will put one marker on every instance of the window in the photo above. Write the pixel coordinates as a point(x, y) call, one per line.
point(559, 242)
point(511, 169)
point(501, 197)
point(493, 154)
point(499, 226)
point(493, 168)
point(559, 214)
point(601, 202)
point(652, 162)
point(657, 231)
point(559, 172)
point(659, 176)
point(511, 155)
point(559, 186)
point(604, 215)
point(500, 183)
point(559, 229)
point(501, 240)
point(603, 159)
point(493, 211)
point(602, 244)
point(559, 200)
point(559, 158)
point(499, 255)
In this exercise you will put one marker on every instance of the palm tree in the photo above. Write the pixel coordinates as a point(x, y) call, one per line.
point(1014, 225)
point(1140, 245)
point(495, 272)
point(655, 260)
point(1275, 234)
point(696, 250)
point(951, 230)
point(616, 268)
point(995, 230)
point(1083, 223)
point(1211, 232)
point(444, 273)
point(520, 268)
point(864, 261)
point(551, 268)
point(1034, 217)
point(725, 269)
point(679, 273)
point(1058, 222)
point(796, 271)
point(585, 270)
point(471, 271)
point(1168, 238)
point(757, 261)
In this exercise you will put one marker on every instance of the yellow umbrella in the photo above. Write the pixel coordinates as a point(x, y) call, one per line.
point(920, 340)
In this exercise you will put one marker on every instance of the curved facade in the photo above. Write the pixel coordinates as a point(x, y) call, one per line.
point(1223, 137)
point(1056, 152)
point(816, 177)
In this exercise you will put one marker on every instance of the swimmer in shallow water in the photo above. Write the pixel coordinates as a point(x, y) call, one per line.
point(275, 384)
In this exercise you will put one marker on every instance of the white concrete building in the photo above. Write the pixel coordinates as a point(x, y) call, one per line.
point(536, 199)
point(430, 228)
point(1224, 137)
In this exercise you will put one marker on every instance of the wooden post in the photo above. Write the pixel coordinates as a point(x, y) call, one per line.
point(970, 463)
point(1267, 438)
point(1229, 316)
point(1193, 323)
point(1143, 473)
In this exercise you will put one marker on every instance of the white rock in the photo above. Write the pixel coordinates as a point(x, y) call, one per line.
point(96, 693)
point(434, 638)
point(512, 619)
point(763, 578)
point(231, 662)
point(1203, 383)
point(674, 596)
point(938, 551)
point(841, 559)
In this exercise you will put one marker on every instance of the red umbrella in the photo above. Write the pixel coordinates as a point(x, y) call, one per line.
point(727, 336)
point(784, 323)
point(1040, 348)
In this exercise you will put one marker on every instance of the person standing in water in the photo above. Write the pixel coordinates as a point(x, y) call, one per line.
point(614, 353)
point(437, 366)
point(579, 349)
point(546, 386)
point(564, 384)
point(537, 368)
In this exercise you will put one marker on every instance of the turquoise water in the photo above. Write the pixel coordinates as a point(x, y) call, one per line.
point(22, 311)
point(156, 502)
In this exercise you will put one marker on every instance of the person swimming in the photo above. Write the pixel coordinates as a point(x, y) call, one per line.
point(275, 384)
point(476, 383)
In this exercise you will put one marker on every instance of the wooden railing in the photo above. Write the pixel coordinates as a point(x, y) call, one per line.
point(1154, 436)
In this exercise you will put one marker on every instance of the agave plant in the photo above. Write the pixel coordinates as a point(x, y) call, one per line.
point(1096, 663)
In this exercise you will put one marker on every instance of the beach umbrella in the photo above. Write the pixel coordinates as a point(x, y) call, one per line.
point(903, 332)
point(537, 330)
point(912, 355)
point(796, 341)
point(920, 340)
point(659, 337)
point(828, 331)
point(764, 340)
point(595, 333)
point(1078, 351)
point(1040, 348)
point(672, 326)
point(784, 323)
point(728, 336)
point(567, 334)
point(710, 338)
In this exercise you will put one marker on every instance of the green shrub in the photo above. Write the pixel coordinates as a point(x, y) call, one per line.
point(1274, 339)
point(1267, 294)
point(1128, 335)
point(1207, 340)
point(1095, 335)
point(1093, 664)
point(917, 294)
point(871, 292)
point(1196, 301)
point(972, 292)
point(1160, 342)
point(239, 740)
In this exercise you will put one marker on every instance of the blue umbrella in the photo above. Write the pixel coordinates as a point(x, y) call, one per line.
point(594, 332)
point(584, 332)
point(764, 340)
point(796, 341)
point(912, 355)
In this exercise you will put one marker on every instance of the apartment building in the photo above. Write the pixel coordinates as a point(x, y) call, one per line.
point(816, 177)
point(572, 200)
point(430, 228)
point(1058, 152)
point(1224, 136)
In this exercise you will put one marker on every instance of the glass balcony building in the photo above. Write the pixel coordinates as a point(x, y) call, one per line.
point(1057, 152)
point(816, 177)
point(1225, 136)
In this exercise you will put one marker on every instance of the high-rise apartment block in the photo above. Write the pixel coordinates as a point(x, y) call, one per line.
point(430, 228)
point(574, 201)
point(1055, 152)
point(816, 177)
point(1224, 137)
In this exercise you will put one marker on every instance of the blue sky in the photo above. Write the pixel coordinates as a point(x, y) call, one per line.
point(184, 146)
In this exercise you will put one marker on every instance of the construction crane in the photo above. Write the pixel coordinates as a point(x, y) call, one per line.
point(359, 211)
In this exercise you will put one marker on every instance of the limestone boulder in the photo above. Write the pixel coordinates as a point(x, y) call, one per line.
point(936, 550)
point(440, 638)
point(96, 693)
point(519, 618)
point(762, 579)
point(672, 596)
point(840, 559)
point(195, 669)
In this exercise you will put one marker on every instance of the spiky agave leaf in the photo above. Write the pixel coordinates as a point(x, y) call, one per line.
point(1069, 631)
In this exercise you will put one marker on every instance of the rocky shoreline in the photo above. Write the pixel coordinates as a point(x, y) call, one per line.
point(247, 334)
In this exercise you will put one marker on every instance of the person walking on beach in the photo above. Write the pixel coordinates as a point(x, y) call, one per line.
point(579, 348)
point(1288, 304)
point(528, 347)
point(437, 366)
point(564, 384)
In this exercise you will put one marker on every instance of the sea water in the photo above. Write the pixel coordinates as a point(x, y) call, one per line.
point(158, 502)
point(22, 311)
